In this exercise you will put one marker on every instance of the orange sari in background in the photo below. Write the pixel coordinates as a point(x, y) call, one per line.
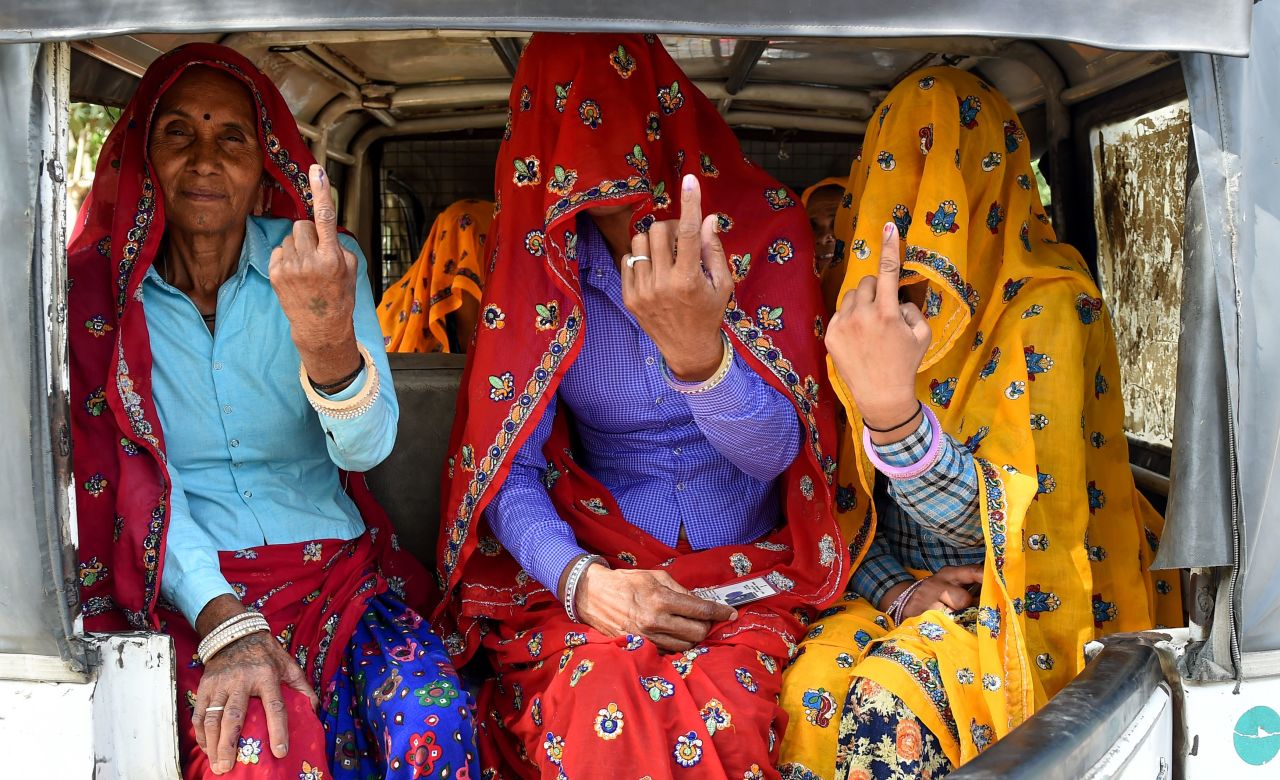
point(450, 267)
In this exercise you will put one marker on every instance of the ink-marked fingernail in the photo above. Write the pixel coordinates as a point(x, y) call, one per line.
point(689, 182)
point(889, 227)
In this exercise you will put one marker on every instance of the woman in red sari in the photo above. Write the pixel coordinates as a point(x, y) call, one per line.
point(222, 375)
point(637, 421)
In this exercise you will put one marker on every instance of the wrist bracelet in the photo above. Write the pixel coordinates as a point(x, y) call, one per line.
point(352, 407)
point(571, 583)
point(919, 406)
point(708, 384)
point(341, 383)
point(229, 631)
point(900, 603)
point(917, 469)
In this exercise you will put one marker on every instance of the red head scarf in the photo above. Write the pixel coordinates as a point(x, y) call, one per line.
point(122, 487)
point(610, 119)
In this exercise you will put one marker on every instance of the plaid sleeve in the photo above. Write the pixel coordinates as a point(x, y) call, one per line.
point(878, 572)
point(945, 499)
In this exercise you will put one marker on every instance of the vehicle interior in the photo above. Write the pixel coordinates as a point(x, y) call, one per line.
point(409, 121)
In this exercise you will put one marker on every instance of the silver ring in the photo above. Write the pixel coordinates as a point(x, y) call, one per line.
point(633, 259)
point(214, 709)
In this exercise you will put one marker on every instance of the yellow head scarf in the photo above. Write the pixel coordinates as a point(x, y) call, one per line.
point(413, 310)
point(830, 181)
point(1022, 369)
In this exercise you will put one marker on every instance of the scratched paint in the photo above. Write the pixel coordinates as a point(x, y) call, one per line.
point(1140, 169)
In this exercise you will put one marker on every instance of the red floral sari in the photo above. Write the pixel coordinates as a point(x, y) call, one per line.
point(600, 120)
point(122, 486)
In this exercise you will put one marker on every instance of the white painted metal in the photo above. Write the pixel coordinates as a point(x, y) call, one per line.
point(1145, 751)
point(116, 725)
point(1213, 712)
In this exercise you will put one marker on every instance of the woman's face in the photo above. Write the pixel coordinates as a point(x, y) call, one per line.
point(205, 154)
point(822, 219)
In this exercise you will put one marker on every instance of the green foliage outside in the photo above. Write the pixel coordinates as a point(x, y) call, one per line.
point(88, 125)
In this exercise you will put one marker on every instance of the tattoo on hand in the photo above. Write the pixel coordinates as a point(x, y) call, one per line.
point(318, 306)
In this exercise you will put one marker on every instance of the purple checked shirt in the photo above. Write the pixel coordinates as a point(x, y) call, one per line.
point(706, 463)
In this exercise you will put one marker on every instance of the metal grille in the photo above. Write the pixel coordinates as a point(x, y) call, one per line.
point(799, 163)
point(419, 178)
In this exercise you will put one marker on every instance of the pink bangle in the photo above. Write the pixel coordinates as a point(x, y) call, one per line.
point(917, 469)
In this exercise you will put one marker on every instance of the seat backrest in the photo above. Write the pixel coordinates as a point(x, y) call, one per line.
point(407, 483)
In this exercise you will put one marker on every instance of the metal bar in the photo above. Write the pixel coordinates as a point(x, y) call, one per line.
point(338, 64)
point(310, 133)
point(1147, 479)
point(821, 124)
point(1074, 731)
point(1130, 71)
point(508, 50)
point(50, 413)
point(126, 53)
point(745, 56)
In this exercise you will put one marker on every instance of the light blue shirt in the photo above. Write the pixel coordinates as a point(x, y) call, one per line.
point(251, 462)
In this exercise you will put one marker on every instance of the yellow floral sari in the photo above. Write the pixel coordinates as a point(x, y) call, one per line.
point(414, 309)
point(1023, 371)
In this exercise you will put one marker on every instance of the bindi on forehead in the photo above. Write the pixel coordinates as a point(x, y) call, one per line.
point(207, 117)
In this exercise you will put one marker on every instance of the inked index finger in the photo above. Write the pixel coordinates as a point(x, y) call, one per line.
point(688, 246)
point(890, 268)
point(323, 213)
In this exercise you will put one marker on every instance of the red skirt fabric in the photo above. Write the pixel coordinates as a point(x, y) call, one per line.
point(312, 594)
point(569, 702)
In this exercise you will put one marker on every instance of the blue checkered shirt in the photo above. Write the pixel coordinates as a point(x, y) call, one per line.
point(927, 522)
point(704, 464)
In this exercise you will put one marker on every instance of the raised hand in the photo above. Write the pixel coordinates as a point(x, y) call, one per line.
point(678, 304)
point(314, 277)
point(877, 345)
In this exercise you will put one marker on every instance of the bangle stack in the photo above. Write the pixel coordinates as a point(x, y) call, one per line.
point(917, 469)
point(230, 630)
point(726, 362)
point(571, 584)
point(900, 603)
point(353, 407)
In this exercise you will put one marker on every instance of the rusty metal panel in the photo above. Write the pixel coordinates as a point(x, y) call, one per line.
point(1140, 169)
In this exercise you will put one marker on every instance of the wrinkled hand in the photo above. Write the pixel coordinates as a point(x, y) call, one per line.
point(254, 666)
point(679, 305)
point(948, 589)
point(877, 344)
point(649, 604)
point(314, 277)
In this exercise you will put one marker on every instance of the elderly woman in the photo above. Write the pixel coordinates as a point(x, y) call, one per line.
point(226, 365)
point(638, 423)
point(979, 373)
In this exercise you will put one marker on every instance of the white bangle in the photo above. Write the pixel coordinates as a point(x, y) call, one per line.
point(571, 583)
point(352, 407)
point(229, 631)
point(711, 382)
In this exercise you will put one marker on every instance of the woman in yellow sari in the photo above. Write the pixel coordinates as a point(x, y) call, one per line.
point(976, 362)
point(446, 279)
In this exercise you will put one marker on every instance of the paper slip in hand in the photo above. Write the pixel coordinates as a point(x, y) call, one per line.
point(735, 594)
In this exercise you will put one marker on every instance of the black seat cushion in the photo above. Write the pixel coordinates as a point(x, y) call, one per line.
point(407, 483)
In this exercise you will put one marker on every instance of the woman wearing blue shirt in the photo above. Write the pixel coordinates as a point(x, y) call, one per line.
point(267, 377)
